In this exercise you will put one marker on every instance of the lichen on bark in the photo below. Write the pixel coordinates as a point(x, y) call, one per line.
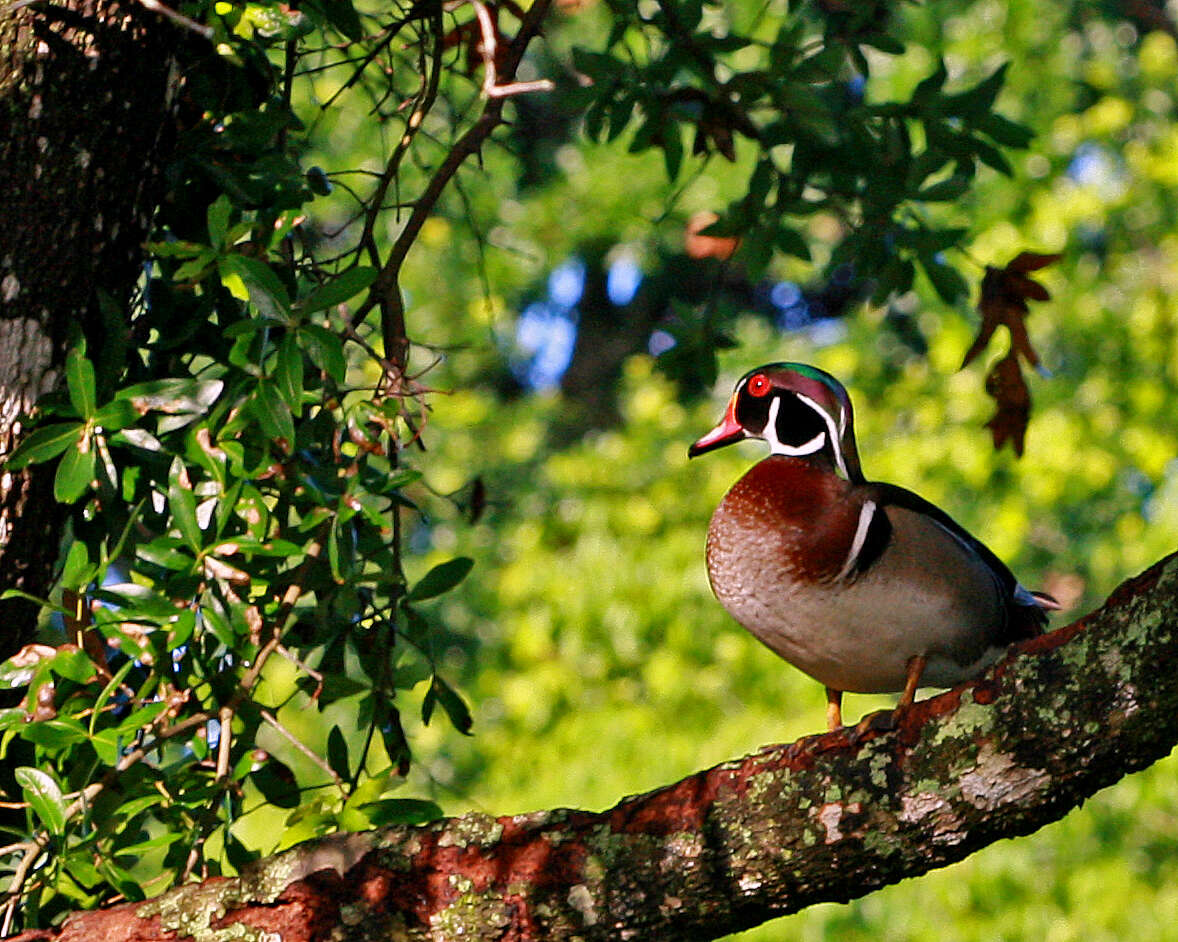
point(826, 818)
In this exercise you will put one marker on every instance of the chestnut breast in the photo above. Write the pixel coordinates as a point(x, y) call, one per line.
point(785, 521)
point(777, 546)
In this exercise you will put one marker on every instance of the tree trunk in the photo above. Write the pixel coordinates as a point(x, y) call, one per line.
point(824, 819)
point(84, 124)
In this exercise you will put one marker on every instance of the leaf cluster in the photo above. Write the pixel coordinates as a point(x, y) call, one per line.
point(236, 490)
point(795, 91)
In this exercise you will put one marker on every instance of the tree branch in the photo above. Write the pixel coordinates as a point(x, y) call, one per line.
point(386, 290)
point(822, 819)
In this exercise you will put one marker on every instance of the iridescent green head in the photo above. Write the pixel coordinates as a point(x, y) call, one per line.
point(798, 409)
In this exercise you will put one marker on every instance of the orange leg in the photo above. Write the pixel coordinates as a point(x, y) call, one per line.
point(916, 667)
point(834, 709)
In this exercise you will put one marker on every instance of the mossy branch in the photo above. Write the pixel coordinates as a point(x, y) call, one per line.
point(825, 818)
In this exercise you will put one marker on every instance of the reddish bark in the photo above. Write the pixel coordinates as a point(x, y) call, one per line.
point(825, 818)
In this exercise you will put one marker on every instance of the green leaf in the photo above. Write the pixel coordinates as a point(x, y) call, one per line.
point(272, 412)
point(337, 753)
point(165, 552)
point(44, 443)
point(54, 734)
point(976, 101)
point(929, 88)
point(599, 66)
point(388, 811)
point(1004, 131)
point(129, 809)
point(195, 269)
point(72, 663)
point(79, 377)
point(219, 625)
point(621, 110)
point(177, 249)
point(277, 783)
point(173, 396)
point(325, 349)
point(945, 279)
point(393, 735)
point(75, 471)
point(116, 414)
point(217, 219)
point(288, 373)
point(20, 669)
point(884, 43)
point(43, 793)
point(756, 249)
point(791, 242)
point(342, 15)
point(343, 287)
point(442, 578)
point(991, 156)
point(111, 686)
point(594, 121)
point(142, 718)
point(944, 190)
point(672, 145)
point(442, 693)
point(261, 286)
point(11, 716)
point(153, 843)
point(120, 878)
point(107, 743)
point(182, 506)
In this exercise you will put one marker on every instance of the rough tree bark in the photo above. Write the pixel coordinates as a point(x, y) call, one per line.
point(821, 819)
point(85, 89)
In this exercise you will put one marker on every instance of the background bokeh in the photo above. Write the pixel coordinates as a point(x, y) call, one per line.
point(587, 642)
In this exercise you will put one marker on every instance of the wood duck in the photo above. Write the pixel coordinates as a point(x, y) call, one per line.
point(864, 586)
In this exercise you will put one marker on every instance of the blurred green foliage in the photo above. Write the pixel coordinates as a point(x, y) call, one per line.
point(597, 662)
point(585, 642)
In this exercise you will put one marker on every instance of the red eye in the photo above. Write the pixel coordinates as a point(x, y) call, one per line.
point(759, 385)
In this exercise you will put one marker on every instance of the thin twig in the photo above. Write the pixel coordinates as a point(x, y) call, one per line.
point(178, 18)
point(396, 342)
point(305, 750)
point(37, 845)
point(490, 47)
point(224, 741)
point(386, 290)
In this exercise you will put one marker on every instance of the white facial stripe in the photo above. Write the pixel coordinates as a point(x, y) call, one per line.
point(815, 444)
point(866, 515)
point(835, 432)
point(770, 433)
point(777, 447)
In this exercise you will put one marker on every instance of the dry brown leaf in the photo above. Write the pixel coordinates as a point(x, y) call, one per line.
point(1005, 293)
point(1005, 383)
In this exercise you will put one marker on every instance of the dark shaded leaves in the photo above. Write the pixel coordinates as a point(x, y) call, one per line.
point(442, 578)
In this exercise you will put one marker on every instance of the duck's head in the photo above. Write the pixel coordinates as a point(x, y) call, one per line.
point(798, 409)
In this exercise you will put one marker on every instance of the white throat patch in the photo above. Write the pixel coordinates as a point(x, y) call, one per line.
point(776, 447)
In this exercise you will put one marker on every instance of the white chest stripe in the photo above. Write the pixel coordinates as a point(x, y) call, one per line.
point(776, 446)
point(866, 515)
